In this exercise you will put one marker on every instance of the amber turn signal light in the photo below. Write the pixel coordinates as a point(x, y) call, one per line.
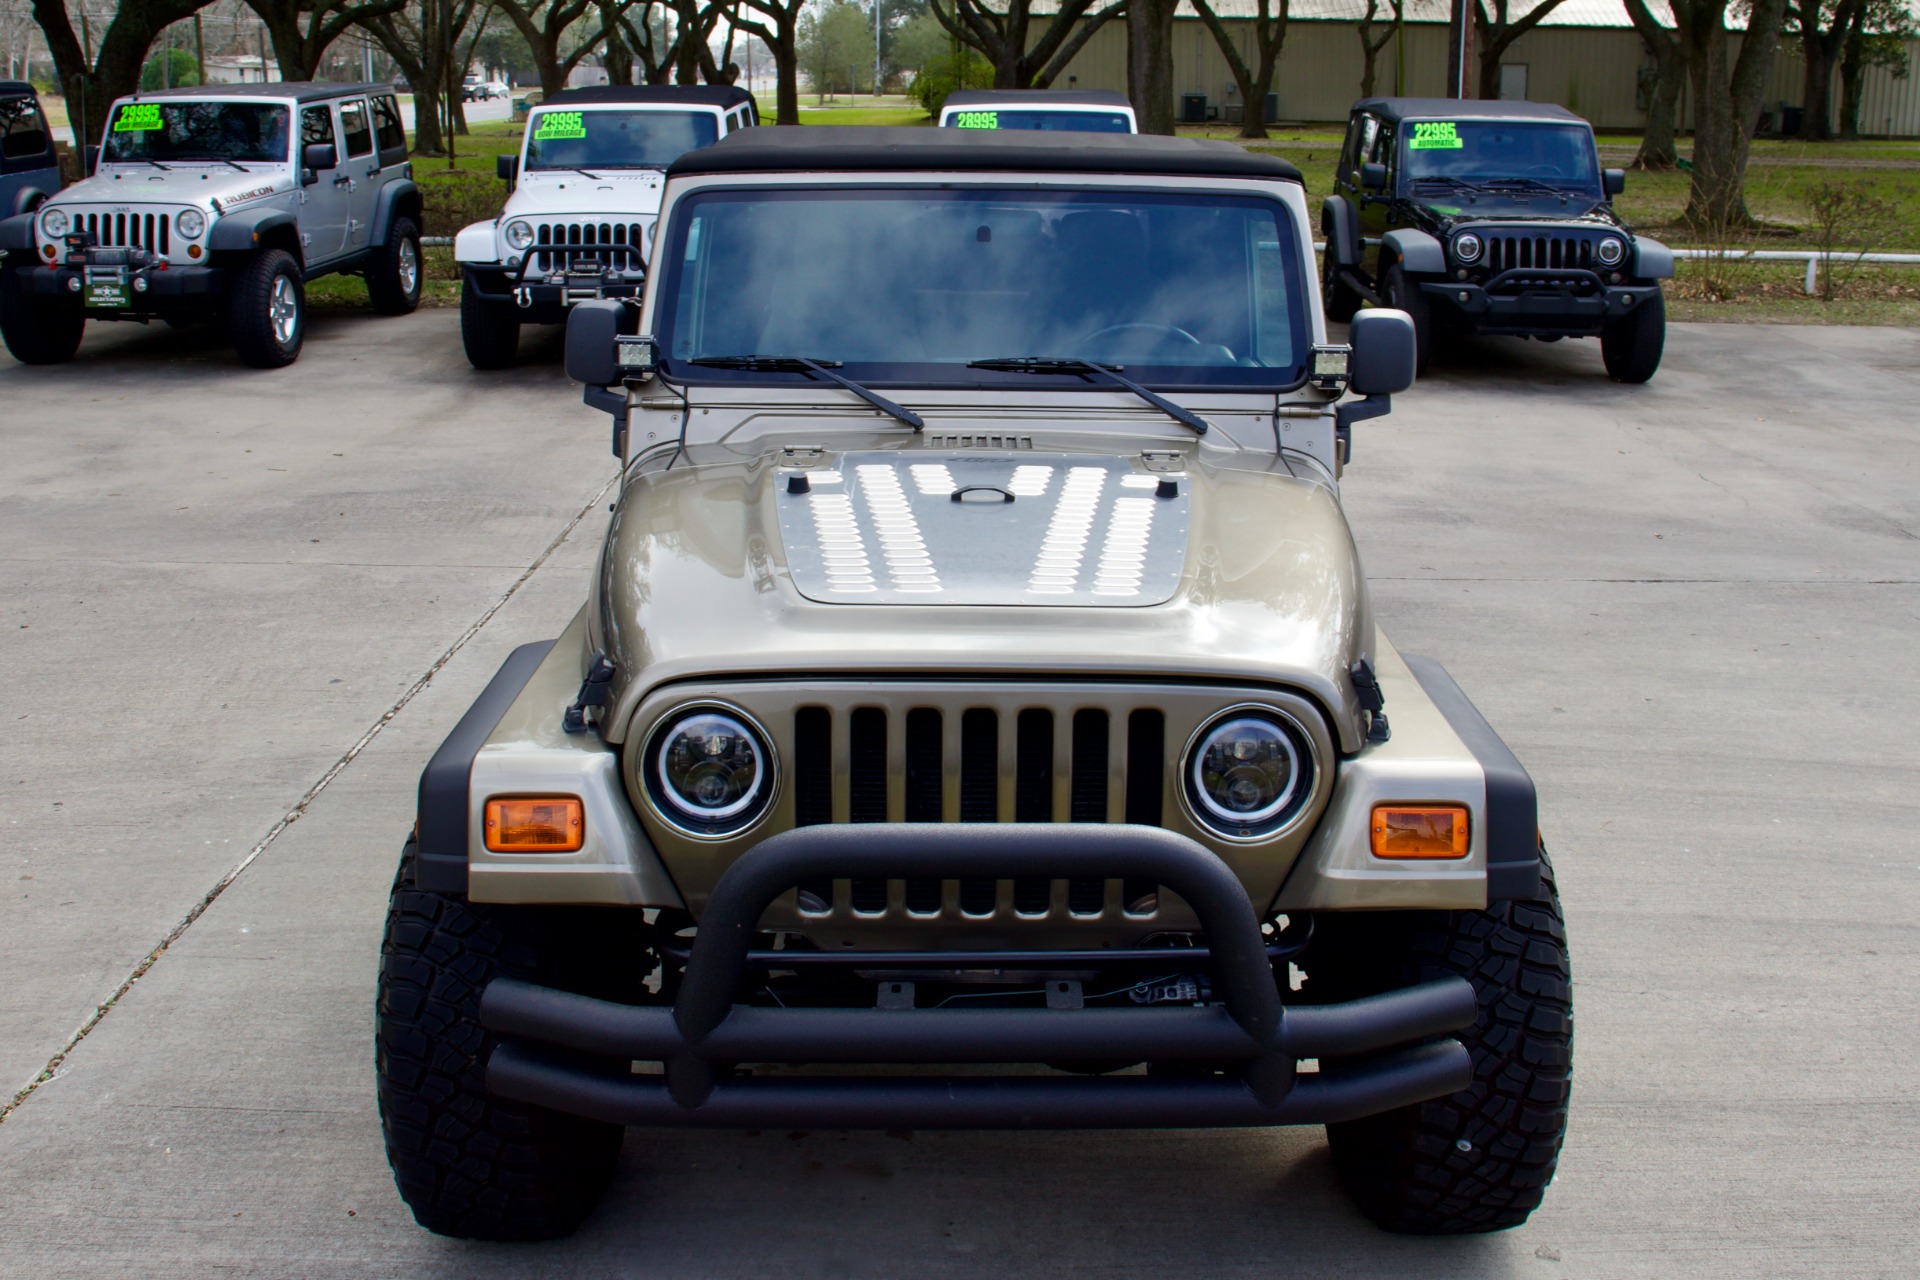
point(1420, 831)
point(546, 824)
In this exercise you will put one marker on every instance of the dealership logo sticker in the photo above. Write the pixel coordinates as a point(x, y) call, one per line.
point(560, 125)
point(139, 117)
point(1435, 135)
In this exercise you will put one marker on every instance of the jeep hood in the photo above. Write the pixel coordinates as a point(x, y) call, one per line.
point(197, 185)
point(628, 193)
point(918, 561)
point(1518, 206)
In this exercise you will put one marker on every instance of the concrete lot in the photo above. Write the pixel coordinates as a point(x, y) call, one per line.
point(1690, 607)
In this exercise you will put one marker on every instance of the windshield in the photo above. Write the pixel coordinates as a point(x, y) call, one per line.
point(1063, 121)
point(907, 285)
point(1490, 151)
point(166, 131)
point(616, 139)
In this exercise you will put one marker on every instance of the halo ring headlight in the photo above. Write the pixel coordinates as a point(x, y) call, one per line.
point(1248, 773)
point(190, 223)
point(54, 223)
point(708, 770)
point(519, 234)
point(1467, 247)
point(1610, 251)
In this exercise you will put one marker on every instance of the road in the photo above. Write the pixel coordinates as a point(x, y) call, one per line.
point(242, 608)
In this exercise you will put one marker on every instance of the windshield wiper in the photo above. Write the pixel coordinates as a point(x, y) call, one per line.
point(825, 368)
point(164, 168)
point(1445, 181)
point(227, 160)
point(1086, 368)
point(1532, 183)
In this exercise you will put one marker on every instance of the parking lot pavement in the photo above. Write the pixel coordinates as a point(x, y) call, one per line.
point(1689, 606)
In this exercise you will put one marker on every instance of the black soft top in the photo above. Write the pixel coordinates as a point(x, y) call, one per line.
point(298, 90)
point(905, 148)
point(1104, 98)
point(14, 88)
point(1465, 109)
point(699, 95)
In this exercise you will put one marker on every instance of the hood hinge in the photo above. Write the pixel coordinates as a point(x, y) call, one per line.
point(596, 691)
point(1372, 701)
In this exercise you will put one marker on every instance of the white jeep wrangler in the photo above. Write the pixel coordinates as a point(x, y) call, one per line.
point(586, 190)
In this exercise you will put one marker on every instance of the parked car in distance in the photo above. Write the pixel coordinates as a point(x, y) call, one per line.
point(978, 669)
point(29, 168)
point(220, 203)
point(1070, 110)
point(1491, 218)
point(585, 189)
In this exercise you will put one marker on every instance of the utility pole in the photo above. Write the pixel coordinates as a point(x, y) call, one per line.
point(200, 48)
point(1460, 49)
point(876, 48)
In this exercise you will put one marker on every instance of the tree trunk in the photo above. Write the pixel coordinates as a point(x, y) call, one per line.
point(427, 138)
point(1727, 96)
point(1658, 150)
point(1150, 63)
point(91, 86)
point(786, 72)
point(1816, 94)
point(1369, 49)
point(1853, 75)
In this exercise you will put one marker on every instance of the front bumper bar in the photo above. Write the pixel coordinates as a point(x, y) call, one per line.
point(164, 285)
point(574, 1054)
point(1545, 300)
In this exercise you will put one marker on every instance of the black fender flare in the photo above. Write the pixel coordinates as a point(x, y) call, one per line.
point(1651, 260)
point(244, 232)
point(1340, 225)
point(1416, 252)
point(16, 234)
point(27, 199)
point(396, 199)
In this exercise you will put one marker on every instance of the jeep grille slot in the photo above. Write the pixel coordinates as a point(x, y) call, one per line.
point(951, 771)
point(549, 237)
point(1505, 253)
point(152, 232)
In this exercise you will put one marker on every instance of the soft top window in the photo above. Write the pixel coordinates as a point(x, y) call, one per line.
point(908, 285)
point(188, 131)
point(1051, 121)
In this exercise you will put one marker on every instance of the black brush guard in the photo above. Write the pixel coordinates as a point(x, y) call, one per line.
point(574, 1054)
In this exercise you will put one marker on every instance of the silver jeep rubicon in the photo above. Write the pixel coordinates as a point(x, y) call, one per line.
point(219, 203)
point(979, 670)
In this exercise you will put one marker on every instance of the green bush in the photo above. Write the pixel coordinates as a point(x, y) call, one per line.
point(453, 198)
point(942, 76)
point(170, 68)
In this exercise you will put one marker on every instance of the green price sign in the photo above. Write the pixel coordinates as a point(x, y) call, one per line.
point(560, 125)
point(976, 119)
point(1435, 135)
point(138, 117)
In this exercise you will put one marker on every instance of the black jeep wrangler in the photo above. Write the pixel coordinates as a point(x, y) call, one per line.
point(1490, 218)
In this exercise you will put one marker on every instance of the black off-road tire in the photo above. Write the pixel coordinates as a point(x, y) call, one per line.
point(1337, 297)
point(38, 330)
point(396, 273)
point(257, 286)
point(1478, 1160)
point(469, 1164)
point(1632, 345)
point(490, 331)
point(1404, 294)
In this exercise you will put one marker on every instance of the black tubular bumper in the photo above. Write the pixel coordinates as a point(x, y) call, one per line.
point(1548, 301)
point(170, 285)
point(574, 1054)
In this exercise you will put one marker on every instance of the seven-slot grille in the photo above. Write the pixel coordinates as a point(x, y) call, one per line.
point(1084, 766)
point(1507, 252)
point(149, 231)
point(549, 235)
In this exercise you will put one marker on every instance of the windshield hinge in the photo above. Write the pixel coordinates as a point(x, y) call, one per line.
point(596, 691)
point(1367, 689)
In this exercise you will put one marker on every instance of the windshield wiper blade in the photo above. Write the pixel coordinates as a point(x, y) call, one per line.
point(226, 160)
point(825, 368)
point(1534, 183)
point(1446, 181)
point(1086, 368)
point(164, 168)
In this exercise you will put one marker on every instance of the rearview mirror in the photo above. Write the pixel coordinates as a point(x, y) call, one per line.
point(1613, 181)
point(507, 167)
point(593, 334)
point(1373, 176)
point(1383, 359)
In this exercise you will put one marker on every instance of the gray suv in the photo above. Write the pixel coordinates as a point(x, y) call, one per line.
point(219, 203)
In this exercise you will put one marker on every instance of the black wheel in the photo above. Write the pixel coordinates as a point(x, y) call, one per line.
point(1336, 296)
point(267, 309)
point(394, 275)
point(467, 1163)
point(1479, 1160)
point(489, 330)
point(38, 330)
point(1405, 295)
point(1632, 345)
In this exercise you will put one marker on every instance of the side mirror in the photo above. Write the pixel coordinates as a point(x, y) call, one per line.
point(507, 168)
point(1613, 181)
point(318, 155)
point(593, 334)
point(1373, 176)
point(1383, 359)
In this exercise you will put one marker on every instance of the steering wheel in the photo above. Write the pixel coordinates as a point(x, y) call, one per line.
point(1169, 330)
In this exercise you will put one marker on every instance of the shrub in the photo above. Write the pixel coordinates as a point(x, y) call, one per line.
point(943, 75)
point(453, 198)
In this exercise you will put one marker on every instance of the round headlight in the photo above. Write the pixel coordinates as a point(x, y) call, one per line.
point(1467, 247)
point(708, 771)
point(1610, 251)
point(1248, 774)
point(519, 234)
point(190, 223)
point(54, 224)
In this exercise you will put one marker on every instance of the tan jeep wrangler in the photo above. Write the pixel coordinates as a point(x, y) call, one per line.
point(978, 686)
